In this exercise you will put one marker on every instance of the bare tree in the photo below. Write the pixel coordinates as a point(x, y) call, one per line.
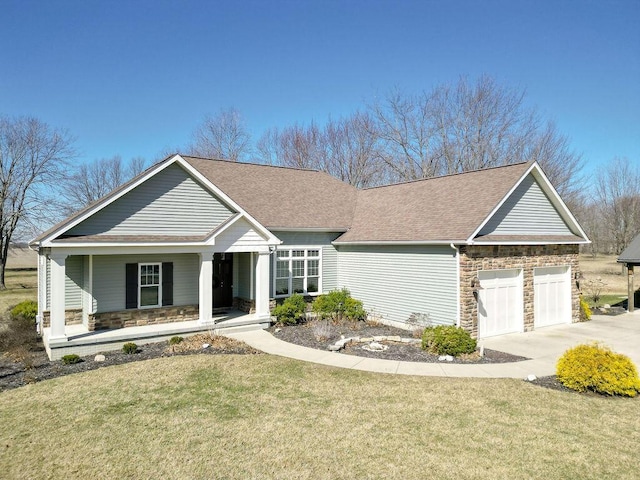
point(33, 158)
point(352, 150)
point(223, 136)
point(618, 192)
point(96, 179)
point(297, 146)
point(466, 126)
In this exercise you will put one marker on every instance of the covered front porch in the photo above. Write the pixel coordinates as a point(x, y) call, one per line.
point(80, 341)
point(96, 300)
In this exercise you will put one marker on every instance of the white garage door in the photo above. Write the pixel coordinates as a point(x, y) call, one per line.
point(500, 302)
point(552, 296)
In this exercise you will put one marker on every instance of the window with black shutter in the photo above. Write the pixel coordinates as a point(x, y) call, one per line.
point(149, 285)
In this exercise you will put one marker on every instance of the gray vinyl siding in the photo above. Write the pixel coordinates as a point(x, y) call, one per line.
point(329, 254)
point(243, 267)
point(527, 211)
point(169, 203)
point(395, 282)
point(73, 282)
point(109, 278)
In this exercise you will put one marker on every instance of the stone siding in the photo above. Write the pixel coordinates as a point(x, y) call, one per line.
point(474, 258)
point(146, 316)
point(71, 317)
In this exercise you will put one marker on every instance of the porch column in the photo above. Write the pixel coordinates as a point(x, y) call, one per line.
point(205, 284)
point(57, 307)
point(262, 285)
point(630, 289)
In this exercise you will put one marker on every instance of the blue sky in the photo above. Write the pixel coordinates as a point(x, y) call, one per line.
point(136, 77)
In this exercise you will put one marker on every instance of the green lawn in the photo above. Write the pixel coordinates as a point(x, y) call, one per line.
point(268, 417)
point(21, 285)
point(605, 300)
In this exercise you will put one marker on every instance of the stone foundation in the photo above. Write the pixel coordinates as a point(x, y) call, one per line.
point(249, 306)
point(146, 316)
point(474, 258)
point(71, 317)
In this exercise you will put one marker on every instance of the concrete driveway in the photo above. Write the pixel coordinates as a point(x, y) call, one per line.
point(621, 333)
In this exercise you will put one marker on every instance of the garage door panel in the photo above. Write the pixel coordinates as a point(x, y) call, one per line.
point(499, 302)
point(552, 296)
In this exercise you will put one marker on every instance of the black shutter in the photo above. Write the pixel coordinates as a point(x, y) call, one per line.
point(167, 284)
point(131, 300)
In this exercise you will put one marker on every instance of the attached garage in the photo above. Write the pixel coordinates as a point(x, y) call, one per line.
point(500, 302)
point(552, 296)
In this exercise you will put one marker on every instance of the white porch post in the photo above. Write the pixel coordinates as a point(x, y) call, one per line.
point(262, 285)
point(206, 287)
point(57, 296)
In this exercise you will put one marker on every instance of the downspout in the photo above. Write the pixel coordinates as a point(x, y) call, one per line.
point(458, 299)
point(39, 288)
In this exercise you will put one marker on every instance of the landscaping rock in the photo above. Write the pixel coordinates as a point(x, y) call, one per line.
point(205, 346)
point(531, 377)
point(394, 338)
point(99, 358)
point(449, 358)
point(335, 348)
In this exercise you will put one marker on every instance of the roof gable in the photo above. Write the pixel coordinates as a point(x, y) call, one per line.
point(158, 207)
point(526, 211)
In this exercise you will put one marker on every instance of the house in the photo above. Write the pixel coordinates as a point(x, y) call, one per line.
point(630, 256)
point(494, 251)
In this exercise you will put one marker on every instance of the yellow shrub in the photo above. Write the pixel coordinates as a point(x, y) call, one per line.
point(595, 367)
point(585, 311)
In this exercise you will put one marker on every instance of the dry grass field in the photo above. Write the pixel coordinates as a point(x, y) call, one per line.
point(606, 268)
point(258, 416)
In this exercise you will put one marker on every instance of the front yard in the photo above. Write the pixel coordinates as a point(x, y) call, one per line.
point(259, 416)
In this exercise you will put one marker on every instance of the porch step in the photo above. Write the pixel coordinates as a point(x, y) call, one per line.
point(241, 328)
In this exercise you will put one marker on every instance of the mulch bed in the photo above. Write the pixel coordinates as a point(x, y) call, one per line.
point(14, 372)
point(321, 334)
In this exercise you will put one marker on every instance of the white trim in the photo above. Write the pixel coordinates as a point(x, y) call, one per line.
point(308, 229)
point(159, 285)
point(290, 259)
point(458, 292)
point(527, 242)
point(411, 242)
point(551, 193)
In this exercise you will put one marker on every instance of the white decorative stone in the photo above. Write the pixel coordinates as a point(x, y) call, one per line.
point(375, 347)
point(442, 358)
point(99, 358)
point(606, 305)
point(378, 338)
point(366, 339)
point(394, 338)
point(277, 330)
point(205, 346)
point(449, 358)
point(334, 348)
point(531, 377)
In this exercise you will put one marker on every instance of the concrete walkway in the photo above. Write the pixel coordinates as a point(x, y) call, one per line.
point(543, 346)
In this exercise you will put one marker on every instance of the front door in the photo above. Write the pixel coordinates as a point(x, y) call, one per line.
point(222, 280)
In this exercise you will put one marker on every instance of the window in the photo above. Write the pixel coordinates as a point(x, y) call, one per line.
point(297, 270)
point(149, 285)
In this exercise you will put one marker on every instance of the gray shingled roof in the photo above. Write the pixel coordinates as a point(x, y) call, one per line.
point(631, 254)
point(279, 197)
point(448, 208)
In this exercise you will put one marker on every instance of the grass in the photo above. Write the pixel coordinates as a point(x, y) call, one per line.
point(606, 268)
point(269, 417)
point(22, 284)
point(605, 299)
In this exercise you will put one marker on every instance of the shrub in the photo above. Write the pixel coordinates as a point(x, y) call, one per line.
point(71, 359)
point(595, 367)
point(130, 348)
point(175, 340)
point(447, 340)
point(585, 311)
point(25, 310)
point(338, 304)
point(291, 311)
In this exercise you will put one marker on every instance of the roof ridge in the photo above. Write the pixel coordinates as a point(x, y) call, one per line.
point(449, 175)
point(196, 157)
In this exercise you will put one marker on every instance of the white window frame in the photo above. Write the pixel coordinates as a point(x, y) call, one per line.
point(159, 285)
point(290, 258)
